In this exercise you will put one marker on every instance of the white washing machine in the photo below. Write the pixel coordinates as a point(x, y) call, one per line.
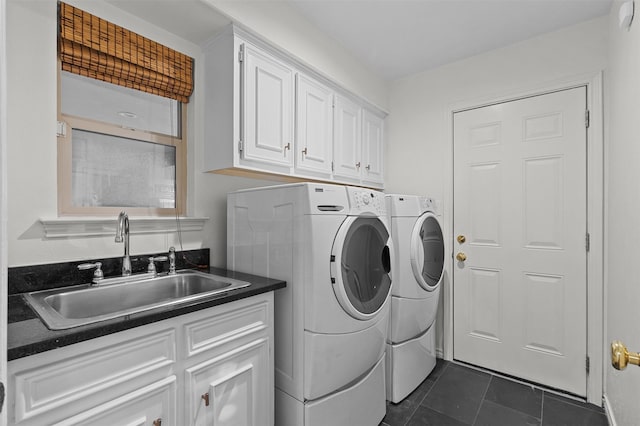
point(331, 244)
point(418, 267)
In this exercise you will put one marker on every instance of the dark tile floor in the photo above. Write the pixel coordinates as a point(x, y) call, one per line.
point(455, 395)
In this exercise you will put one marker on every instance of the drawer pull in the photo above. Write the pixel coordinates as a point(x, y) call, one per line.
point(205, 396)
point(157, 422)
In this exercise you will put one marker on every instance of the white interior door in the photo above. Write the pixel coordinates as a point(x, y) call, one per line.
point(520, 208)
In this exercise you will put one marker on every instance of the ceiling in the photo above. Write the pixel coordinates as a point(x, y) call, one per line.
point(395, 38)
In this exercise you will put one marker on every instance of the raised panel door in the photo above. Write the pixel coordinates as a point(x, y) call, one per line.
point(520, 200)
point(231, 389)
point(267, 108)
point(314, 126)
point(372, 147)
point(347, 138)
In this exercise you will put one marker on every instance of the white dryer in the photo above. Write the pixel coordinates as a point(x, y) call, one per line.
point(418, 266)
point(331, 244)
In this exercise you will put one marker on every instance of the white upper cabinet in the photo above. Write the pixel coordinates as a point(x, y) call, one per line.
point(269, 114)
point(372, 148)
point(358, 138)
point(267, 107)
point(314, 124)
point(347, 139)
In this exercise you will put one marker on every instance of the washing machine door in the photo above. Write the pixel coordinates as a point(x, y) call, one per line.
point(427, 251)
point(360, 266)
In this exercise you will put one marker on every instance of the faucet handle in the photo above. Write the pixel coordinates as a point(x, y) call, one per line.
point(97, 274)
point(152, 260)
point(172, 260)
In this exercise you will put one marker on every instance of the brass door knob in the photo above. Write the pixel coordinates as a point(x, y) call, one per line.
point(620, 356)
point(461, 239)
point(461, 257)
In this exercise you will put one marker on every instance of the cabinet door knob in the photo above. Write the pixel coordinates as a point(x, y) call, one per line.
point(368, 167)
point(287, 146)
point(157, 422)
point(304, 151)
point(461, 257)
point(358, 164)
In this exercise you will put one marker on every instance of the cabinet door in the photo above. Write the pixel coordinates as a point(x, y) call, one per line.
point(234, 388)
point(347, 138)
point(372, 147)
point(314, 126)
point(153, 405)
point(267, 108)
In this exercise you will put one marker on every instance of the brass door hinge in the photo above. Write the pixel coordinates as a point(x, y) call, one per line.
point(61, 129)
point(587, 242)
point(587, 120)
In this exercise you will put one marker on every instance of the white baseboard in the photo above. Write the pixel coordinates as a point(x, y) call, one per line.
point(609, 412)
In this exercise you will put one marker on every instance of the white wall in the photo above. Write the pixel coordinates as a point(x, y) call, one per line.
point(623, 151)
point(419, 149)
point(32, 153)
point(3, 208)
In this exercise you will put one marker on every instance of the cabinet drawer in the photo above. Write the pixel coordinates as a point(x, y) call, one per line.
point(228, 327)
point(152, 405)
point(57, 383)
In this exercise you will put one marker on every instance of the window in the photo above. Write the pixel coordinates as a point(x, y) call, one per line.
point(121, 148)
point(122, 106)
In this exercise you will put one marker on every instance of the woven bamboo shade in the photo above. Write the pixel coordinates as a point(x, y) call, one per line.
point(93, 47)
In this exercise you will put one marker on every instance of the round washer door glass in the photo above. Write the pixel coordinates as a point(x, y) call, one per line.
point(427, 251)
point(360, 266)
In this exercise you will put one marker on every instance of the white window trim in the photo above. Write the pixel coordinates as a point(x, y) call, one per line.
point(80, 227)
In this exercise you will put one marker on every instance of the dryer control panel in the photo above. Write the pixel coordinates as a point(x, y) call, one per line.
point(365, 200)
point(428, 205)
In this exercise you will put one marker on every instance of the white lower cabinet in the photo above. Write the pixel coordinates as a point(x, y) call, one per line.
point(213, 366)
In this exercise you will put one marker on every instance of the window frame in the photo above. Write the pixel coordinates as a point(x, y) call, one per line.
point(64, 150)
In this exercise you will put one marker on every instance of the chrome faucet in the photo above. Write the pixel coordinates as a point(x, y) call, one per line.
point(123, 230)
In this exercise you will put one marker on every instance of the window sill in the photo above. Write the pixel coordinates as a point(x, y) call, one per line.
point(78, 227)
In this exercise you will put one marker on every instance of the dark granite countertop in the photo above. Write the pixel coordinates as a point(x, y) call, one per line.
point(28, 335)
